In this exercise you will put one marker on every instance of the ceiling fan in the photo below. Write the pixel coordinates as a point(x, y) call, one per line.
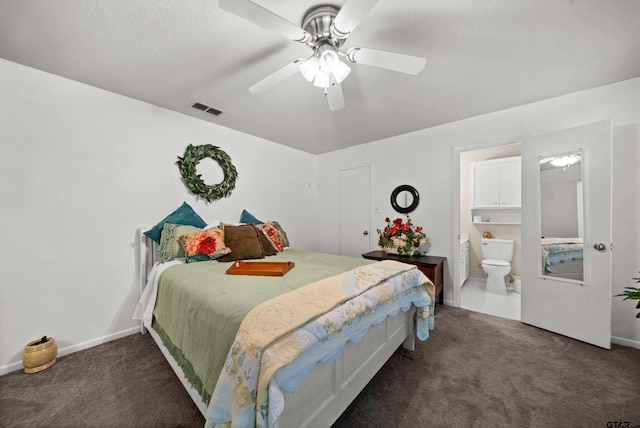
point(324, 29)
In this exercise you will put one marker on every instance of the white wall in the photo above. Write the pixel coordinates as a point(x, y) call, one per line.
point(427, 160)
point(81, 169)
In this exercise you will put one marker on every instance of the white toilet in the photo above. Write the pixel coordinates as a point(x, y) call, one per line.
point(496, 263)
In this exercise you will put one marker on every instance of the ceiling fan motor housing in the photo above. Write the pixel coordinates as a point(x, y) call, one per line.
point(318, 22)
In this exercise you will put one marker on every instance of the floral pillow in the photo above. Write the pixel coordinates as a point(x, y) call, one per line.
point(284, 234)
point(206, 245)
point(274, 235)
point(267, 245)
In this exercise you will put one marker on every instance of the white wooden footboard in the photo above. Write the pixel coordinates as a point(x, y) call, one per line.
point(330, 388)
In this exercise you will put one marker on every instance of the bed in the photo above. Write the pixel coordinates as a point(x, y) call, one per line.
point(562, 257)
point(297, 373)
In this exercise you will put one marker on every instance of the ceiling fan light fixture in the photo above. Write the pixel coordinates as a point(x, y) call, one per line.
point(341, 71)
point(322, 80)
point(324, 67)
point(309, 68)
point(328, 59)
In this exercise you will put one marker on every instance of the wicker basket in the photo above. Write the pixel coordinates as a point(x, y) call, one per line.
point(393, 248)
point(399, 242)
point(39, 355)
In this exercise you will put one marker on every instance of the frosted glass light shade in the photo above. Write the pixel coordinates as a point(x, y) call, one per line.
point(322, 80)
point(329, 61)
point(341, 71)
point(309, 68)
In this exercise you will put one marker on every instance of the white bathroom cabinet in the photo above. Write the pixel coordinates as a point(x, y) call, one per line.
point(496, 183)
point(495, 190)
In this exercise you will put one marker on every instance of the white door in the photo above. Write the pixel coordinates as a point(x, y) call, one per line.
point(580, 309)
point(355, 209)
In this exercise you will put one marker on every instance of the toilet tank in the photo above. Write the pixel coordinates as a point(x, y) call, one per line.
point(497, 249)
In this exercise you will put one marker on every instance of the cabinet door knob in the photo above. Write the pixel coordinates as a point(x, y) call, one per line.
point(365, 233)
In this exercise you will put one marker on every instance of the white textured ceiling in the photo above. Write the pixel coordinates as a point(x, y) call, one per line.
point(482, 56)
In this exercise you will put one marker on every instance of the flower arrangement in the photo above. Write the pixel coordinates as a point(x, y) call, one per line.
point(401, 238)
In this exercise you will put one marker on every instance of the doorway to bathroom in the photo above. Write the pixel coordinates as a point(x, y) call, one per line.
point(501, 222)
point(573, 299)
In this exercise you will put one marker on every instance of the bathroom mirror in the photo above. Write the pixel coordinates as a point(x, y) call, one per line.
point(561, 217)
point(405, 199)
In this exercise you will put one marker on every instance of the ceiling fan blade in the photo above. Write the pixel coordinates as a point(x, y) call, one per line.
point(264, 18)
point(390, 60)
point(350, 16)
point(275, 78)
point(335, 97)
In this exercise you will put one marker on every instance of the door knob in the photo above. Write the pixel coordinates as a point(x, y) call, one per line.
point(365, 233)
point(599, 246)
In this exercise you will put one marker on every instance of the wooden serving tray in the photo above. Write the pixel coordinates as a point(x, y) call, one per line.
point(260, 268)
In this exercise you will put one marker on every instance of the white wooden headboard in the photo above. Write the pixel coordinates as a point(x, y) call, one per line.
point(147, 253)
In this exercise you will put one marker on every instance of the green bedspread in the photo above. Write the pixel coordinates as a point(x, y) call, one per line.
point(199, 308)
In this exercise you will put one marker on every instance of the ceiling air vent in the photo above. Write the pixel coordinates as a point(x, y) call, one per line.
point(207, 109)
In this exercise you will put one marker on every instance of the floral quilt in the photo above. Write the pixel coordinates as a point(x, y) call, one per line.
point(278, 331)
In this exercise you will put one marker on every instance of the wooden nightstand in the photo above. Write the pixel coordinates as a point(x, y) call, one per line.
point(431, 266)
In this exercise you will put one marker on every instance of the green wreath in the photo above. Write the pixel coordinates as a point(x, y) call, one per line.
point(188, 164)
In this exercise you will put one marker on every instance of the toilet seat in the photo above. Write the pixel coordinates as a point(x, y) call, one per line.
point(494, 262)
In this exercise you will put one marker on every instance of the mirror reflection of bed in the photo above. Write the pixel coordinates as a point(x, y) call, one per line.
point(562, 258)
point(561, 216)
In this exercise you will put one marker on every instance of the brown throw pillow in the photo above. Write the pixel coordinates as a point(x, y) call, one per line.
point(243, 242)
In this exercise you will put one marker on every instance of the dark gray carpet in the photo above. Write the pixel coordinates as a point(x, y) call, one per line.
point(474, 371)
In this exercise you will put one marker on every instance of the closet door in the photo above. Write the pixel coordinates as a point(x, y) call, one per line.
point(355, 210)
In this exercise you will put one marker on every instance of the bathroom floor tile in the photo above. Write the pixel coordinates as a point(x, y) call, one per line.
point(474, 297)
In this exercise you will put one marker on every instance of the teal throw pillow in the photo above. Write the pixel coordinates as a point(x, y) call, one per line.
point(182, 215)
point(248, 218)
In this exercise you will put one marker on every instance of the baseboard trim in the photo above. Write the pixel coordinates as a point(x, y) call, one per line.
point(625, 342)
point(12, 367)
point(8, 368)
